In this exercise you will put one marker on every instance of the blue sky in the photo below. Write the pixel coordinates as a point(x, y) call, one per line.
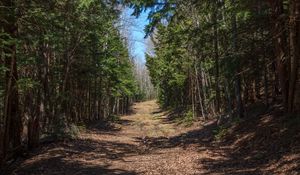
point(137, 34)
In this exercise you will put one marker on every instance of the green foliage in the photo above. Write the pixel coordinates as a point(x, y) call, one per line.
point(189, 118)
point(27, 84)
point(72, 60)
point(220, 132)
point(64, 130)
point(114, 118)
point(169, 68)
point(159, 10)
point(195, 39)
point(140, 95)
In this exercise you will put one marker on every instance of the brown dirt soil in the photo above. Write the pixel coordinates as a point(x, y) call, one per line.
point(148, 142)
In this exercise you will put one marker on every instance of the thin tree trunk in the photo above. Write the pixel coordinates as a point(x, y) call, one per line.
point(216, 54)
point(237, 81)
point(295, 55)
point(199, 92)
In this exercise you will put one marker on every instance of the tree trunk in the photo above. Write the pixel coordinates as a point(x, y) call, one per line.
point(293, 96)
point(199, 93)
point(280, 44)
point(237, 81)
point(12, 118)
point(216, 54)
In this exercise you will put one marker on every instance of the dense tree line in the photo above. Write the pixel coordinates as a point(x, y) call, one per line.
point(216, 56)
point(62, 62)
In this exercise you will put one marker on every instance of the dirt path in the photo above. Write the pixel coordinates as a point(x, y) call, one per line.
point(145, 142)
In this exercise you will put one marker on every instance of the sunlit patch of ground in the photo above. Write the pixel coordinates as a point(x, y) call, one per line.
point(148, 142)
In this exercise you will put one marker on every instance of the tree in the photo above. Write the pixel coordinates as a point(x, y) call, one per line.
point(65, 63)
point(234, 35)
point(11, 116)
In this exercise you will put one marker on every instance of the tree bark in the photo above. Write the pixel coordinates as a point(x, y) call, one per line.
point(293, 92)
point(280, 44)
point(216, 54)
point(12, 118)
point(237, 81)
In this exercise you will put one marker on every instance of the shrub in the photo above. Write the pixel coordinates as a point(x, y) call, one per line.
point(220, 132)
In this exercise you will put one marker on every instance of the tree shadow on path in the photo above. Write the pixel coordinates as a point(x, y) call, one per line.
point(263, 144)
point(81, 156)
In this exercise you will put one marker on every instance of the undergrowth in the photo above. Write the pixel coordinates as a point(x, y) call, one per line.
point(62, 130)
point(220, 132)
point(187, 119)
point(114, 118)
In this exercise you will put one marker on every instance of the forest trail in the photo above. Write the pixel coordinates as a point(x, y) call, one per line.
point(145, 142)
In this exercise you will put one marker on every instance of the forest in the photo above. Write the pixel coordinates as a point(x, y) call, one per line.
point(216, 56)
point(66, 65)
point(61, 63)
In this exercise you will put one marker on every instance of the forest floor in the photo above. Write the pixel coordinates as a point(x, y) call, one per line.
point(149, 142)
